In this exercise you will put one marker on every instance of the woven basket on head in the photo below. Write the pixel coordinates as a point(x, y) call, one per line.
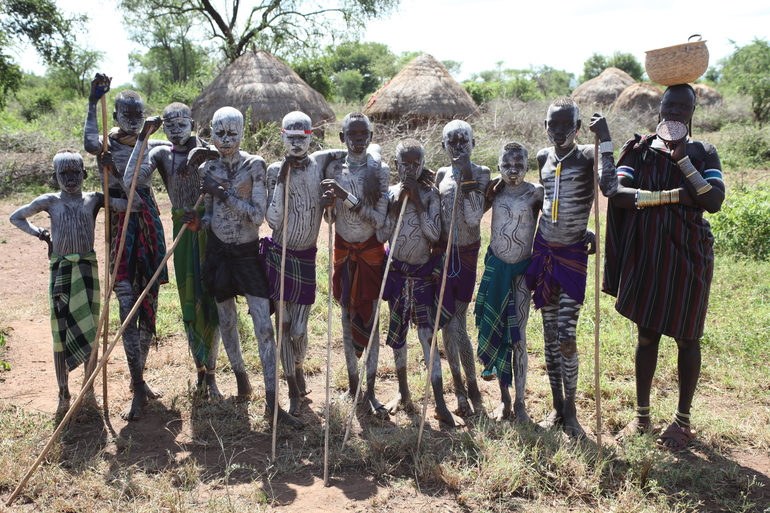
point(678, 64)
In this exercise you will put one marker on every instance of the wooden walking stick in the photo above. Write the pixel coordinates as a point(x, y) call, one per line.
point(104, 318)
point(447, 256)
point(73, 409)
point(328, 350)
point(107, 290)
point(597, 285)
point(376, 317)
point(280, 301)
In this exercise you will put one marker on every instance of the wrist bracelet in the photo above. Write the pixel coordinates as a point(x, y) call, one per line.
point(351, 201)
point(606, 147)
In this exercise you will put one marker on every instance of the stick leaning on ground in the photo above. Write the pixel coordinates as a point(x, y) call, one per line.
point(597, 285)
point(376, 317)
point(100, 365)
point(107, 290)
point(280, 303)
point(438, 311)
point(328, 352)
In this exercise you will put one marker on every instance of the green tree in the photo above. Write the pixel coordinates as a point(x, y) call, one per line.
point(747, 71)
point(40, 23)
point(373, 61)
point(75, 73)
point(350, 85)
point(316, 72)
point(552, 82)
point(597, 63)
point(279, 26)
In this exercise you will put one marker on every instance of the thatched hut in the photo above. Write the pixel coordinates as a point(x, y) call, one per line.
point(259, 80)
point(642, 98)
point(603, 90)
point(424, 89)
point(706, 95)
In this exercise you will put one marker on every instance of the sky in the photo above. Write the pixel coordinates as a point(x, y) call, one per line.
point(480, 33)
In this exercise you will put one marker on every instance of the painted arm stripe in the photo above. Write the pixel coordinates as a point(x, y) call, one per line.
point(712, 173)
point(625, 172)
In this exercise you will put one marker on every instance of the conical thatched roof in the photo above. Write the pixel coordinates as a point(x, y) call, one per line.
point(602, 90)
point(643, 98)
point(423, 89)
point(706, 95)
point(259, 80)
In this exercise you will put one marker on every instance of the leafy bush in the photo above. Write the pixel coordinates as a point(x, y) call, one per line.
point(742, 226)
point(744, 147)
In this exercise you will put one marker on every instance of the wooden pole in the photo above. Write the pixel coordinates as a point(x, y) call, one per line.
point(100, 365)
point(376, 316)
point(280, 303)
point(107, 289)
point(328, 352)
point(447, 256)
point(105, 315)
point(597, 286)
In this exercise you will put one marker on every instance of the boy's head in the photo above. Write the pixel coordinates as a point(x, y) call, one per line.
point(356, 133)
point(297, 133)
point(457, 138)
point(129, 111)
point(177, 123)
point(562, 122)
point(69, 170)
point(227, 130)
point(512, 163)
point(409, 158)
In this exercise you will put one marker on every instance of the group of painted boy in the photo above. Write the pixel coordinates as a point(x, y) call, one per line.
point(659, 260)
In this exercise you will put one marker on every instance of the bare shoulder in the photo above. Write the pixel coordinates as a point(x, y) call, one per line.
point(156, 143)
point(273, 169)
point(481, 171)
point(535, 190)
point(542, 156)
point(587, 150)
point(441, 174)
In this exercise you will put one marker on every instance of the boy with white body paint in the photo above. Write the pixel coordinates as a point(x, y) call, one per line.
point(411, 286)
point(307, 202)
point(502, 302)
point(74, 283)
point(471, 180)
point(182, 181)
point(236, 201)
point(360, 185)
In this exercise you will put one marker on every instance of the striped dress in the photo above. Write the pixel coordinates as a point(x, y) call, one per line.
point(659, 260)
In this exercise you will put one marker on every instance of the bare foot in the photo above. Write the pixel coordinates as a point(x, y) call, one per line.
point(294, 405)
point(62, 409)
point(211, 384)
point(378, 410)
point(134, 412)
point(443, 414)
point(520, 414)
point(285, 418)
point(573, 429)
point(502, 412)
point(399, 402)
point(244, 387)
point(478, 405)
point(463, 407)
point(148, 392)
point(303, 390)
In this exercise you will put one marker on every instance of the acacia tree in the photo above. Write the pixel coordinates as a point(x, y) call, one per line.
point(274, 25)
point(42, 24)
point(747, 71)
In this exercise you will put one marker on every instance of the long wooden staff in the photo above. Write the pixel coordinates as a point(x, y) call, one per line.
point(376, 317)
point(597, 286)
point(447, 256)
point(100, 365)
point(328, 351)
point(280, 301)
point(107, 290)
point(104, 319)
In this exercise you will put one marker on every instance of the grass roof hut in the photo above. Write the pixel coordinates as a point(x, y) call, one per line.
point(706, 95)
point(424, 89)
point(259, 80)
point(602, 90)
point(643, 98)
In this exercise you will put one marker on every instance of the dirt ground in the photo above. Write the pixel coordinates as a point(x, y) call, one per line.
point(31, 383)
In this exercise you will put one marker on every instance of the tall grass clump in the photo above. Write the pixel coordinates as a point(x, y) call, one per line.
point(742, 227)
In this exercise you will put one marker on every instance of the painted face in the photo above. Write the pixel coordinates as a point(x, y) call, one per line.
point(561, 126)
point(357, 137)
point(513, 167)
point(130, 115)
point(410, 163)
point(677, 105)
point(69, 174)
point(226, 135)
point(297, 145)
point(177, 129)
point(458, 142)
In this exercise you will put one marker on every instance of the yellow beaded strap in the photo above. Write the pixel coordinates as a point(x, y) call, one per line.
point(557, 179)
